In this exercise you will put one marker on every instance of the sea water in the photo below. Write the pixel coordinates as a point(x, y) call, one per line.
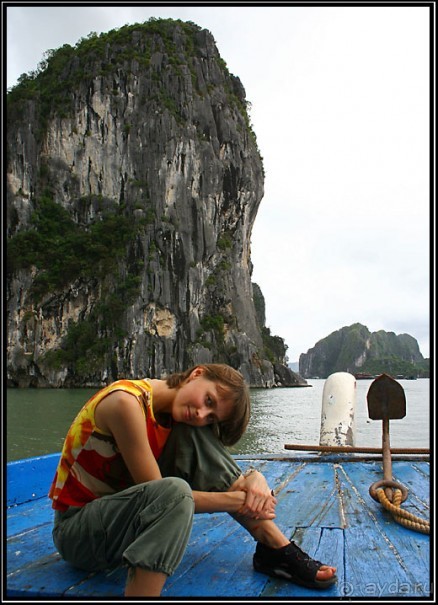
point(37, 419)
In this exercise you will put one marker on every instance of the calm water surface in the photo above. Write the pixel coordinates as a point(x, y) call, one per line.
point(293, 416)
point(38, 419)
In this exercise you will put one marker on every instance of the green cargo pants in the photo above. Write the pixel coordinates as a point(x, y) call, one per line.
point(148, 525)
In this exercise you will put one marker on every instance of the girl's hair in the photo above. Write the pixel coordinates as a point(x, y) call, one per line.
point(232, 387)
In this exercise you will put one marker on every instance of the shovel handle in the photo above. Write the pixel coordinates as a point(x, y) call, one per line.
point(386, 455)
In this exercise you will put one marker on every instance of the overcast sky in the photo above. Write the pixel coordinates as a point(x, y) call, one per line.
point(340, 107)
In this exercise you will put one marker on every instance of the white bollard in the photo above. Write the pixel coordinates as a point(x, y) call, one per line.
point(337, 412)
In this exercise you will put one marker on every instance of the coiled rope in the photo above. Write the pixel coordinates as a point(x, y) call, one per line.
point(400, 515)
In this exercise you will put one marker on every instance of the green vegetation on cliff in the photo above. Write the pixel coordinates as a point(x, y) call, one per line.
point(355, 349)
point(53, 85)
point(394, 366)
point(62, 253)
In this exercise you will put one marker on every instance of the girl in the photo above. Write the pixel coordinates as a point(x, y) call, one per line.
point(141, 457)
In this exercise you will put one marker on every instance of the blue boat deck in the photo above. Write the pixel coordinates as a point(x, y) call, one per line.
point(323, 504)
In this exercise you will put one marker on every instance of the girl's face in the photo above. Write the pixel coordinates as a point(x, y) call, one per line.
point(199, 402)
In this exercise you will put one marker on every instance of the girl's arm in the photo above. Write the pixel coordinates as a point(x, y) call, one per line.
point(249, 496)
point(218, 502)
point(121, 415)
point(231, 502)
point(259, 497)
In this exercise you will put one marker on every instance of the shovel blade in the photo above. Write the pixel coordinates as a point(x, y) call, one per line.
point(386, 399)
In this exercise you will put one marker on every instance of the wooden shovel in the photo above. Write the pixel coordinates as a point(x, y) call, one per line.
point(386, 400)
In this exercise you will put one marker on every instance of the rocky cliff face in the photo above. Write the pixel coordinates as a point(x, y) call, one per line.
point(355, 349)
point(134, 181)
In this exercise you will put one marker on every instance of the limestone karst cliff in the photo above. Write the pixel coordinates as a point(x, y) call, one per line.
point(356, 350)
point(133, 183)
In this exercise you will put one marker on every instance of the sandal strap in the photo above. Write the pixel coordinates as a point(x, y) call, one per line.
point(302, 563)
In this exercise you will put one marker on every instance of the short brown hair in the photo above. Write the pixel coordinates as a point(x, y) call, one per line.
point(233, 388)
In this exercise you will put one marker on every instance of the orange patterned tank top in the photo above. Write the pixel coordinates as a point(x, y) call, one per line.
point(91, 465)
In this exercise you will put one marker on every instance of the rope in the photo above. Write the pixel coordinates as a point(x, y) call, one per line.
point(400, 515)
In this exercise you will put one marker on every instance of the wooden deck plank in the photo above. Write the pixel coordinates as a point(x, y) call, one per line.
point(213, 574)
point(369, 566)
point(419, 504)
point(107, 584)
point(28, 515)
point(354, 509)
point(392, 555)
point(202, 543)
point(324, 506)
point(308, 499)
point(49, 576)
point(415, 477)
point(26, 548)
point(30, 479)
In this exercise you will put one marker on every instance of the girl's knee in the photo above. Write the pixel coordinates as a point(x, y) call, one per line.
point(182, 496)
point(179, 493)
point(179, 487)
point(165, 496)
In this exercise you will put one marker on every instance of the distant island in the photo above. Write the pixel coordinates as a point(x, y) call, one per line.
point(363, 353)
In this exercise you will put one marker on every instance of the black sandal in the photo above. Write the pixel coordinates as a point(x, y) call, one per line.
point(290, 563)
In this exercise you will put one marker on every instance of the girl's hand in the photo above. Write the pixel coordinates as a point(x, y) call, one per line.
point(260, 502)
